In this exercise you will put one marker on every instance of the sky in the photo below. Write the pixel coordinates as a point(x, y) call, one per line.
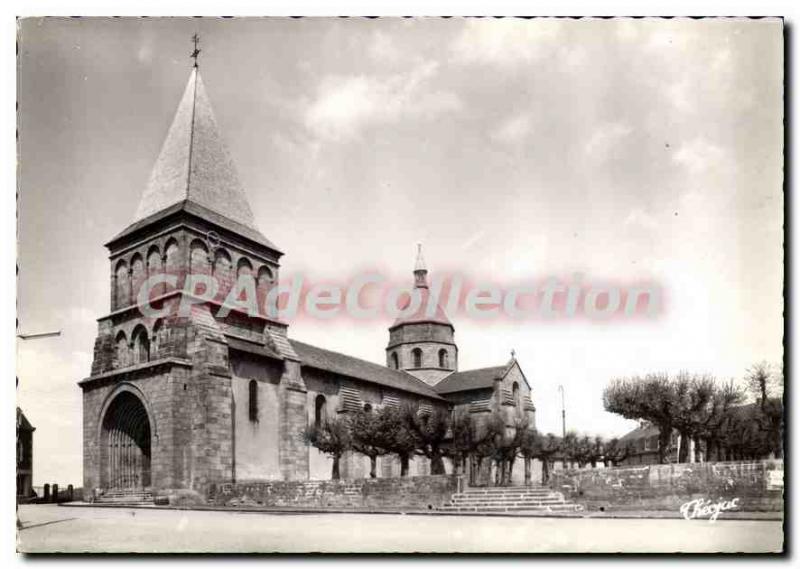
point(627, 150)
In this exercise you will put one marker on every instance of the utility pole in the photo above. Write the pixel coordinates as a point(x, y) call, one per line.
point(563, 412)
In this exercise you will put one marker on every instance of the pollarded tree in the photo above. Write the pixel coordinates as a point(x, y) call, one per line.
point(615, 451)
point(649, 398)
point(370, 436)
point(761, 381)
point(542, 447)
point(463, 440)
point(507, 444)
point(397, 437)
point(331, 437)
point(694, 397)
point(712, 425)
point(430, 429)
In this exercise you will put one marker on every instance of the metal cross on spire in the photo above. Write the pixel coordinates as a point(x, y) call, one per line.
point(196, 52)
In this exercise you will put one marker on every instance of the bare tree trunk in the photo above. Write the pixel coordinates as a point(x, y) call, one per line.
point(527, 471)
point(335, 468)
point(437, 464)
point(373, 466)
point(403, 465)
point(545, 471)
point(664, 436)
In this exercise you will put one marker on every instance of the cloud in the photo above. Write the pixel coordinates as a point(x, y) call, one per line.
point(700, 156)
point(345, 105)
point(506, 42)
point(514, 130)
point(640, 218)
point(604, 138)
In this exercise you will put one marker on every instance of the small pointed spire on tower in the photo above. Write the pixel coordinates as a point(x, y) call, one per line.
point(196, 52)
point(420, 271)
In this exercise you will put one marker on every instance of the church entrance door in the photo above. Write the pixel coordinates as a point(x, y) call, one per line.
point(125, 444)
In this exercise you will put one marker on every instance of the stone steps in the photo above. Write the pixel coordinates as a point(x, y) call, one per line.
point(126, 497)
point(505, 502)
point(509, 499)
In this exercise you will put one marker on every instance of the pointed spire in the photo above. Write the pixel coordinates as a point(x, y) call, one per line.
point(420, 271)
point(194, 164)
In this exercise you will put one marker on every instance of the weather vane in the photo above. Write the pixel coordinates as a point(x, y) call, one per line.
point(196, 52)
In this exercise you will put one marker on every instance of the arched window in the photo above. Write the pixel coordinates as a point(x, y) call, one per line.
point(171, 261)
point(158, 337)
point(264, 280)
point(320, 411)
point(137, 276)
point(244, 273)
point(154, 268)
point(223, 271)
point(141, 345)
point(253, 405)
point(367, 408)
point(416, 354)
point(121, 355)
point(443, 359)
point(515, 394)
point(243, 268)
point(395, 361)
point(198, 258)
point(153, 261)
point(122, 290)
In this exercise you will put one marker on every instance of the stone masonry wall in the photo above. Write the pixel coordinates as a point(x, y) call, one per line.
point(758, 485)
point(408, 493)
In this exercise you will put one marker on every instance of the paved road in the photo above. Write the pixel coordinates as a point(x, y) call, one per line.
point(53, 528)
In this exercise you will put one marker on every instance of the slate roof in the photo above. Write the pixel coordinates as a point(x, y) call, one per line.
point(22, 422)
point(435, 315)
point(349, 366)
point(641, 433)
point(426, 312)
point(472, 379)
point(198, 210)
point(195, 173)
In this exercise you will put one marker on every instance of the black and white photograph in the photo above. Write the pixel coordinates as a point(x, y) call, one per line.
point(400, 285)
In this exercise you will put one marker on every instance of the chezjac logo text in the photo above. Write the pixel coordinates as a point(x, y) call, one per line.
point(370, 296)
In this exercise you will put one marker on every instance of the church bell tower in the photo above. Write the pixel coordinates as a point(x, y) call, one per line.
point(159, 408)
point(422, 343)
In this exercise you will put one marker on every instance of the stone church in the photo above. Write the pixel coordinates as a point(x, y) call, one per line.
point(181, 401)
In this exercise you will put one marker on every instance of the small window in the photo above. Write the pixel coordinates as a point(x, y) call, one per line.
point(395, 361)
point(320, 410)
point(515, 393)
point(417, 355)
point(141, 345)
point(253, 408)
point(367, 408)
point(443, 359)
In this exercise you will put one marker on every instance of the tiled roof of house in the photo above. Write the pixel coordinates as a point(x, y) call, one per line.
point(471, 379)
point(349, 366)
point(640, 432)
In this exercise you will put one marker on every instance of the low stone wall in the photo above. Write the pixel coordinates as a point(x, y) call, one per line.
point(407, 493)
point(757, 485)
